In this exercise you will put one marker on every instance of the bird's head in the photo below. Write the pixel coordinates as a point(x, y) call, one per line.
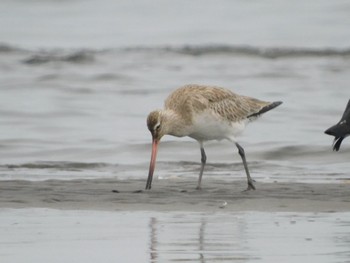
point(160, 123)
point(155, 124)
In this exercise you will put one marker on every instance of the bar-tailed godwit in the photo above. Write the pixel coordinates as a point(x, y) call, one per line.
point(341, 129)
point(204, 113)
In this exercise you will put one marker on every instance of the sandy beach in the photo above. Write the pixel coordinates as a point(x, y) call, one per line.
point(175, 195)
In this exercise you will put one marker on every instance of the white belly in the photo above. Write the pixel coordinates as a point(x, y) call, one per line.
point(210, 127)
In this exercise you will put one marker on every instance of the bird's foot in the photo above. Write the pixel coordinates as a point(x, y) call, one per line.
point(199, 188)
point(250, 186)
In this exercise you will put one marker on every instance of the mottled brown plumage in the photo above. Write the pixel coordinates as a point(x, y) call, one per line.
point(204, 113)
point(192, 99)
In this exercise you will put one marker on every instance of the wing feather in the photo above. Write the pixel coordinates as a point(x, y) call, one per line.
point(192, 99)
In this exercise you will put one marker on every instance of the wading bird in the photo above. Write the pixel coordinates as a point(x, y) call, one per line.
point(341, 129)
point(204, 113)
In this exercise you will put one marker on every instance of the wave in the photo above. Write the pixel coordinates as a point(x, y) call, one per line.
point(81, 56)
point(57, 166)
point(35, 57)
point(270, 52)
point(7, 48)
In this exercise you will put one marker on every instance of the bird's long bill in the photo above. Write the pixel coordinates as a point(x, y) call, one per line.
point(152, 164)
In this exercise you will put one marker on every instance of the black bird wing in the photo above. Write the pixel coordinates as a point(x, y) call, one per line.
point(346, 114)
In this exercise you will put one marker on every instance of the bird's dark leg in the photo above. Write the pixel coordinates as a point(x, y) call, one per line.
point(250, 180)
point(203, 161)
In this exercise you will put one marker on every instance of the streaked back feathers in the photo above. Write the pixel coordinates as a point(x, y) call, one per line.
point(192, 99)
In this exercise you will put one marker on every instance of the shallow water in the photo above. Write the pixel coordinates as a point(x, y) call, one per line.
point(87, 119)
point(74, 99)
point(58, 236)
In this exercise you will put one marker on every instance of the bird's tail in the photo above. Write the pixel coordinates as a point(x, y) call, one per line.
point(268, 107)
point(337, 143)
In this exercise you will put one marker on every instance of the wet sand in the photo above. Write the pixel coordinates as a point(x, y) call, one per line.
point(52, 235)
point(116, 220)
point(175, 195)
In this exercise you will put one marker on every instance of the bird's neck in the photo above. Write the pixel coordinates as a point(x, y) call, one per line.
point(175, 125)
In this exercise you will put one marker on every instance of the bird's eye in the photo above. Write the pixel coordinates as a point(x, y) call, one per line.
point(157, 127)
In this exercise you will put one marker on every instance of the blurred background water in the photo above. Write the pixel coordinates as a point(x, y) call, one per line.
point(78, 79)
